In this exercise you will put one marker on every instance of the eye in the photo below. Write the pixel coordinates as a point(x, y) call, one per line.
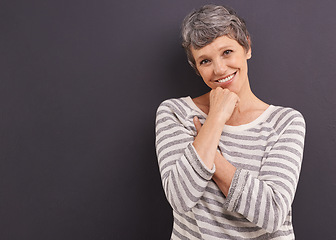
point(205, 61)
point(227, 52)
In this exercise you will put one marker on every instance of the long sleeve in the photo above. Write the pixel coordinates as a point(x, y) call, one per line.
point(184, 176)
point(266, 199)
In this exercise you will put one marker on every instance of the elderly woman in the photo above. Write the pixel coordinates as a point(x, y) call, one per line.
point(229, 162)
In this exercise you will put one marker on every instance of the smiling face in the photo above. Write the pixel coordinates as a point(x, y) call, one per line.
point(223, 63)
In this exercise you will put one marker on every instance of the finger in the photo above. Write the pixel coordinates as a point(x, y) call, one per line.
point(197, 124)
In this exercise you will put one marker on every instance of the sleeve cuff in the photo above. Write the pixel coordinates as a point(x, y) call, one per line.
point(237, 185)
point(197, 164)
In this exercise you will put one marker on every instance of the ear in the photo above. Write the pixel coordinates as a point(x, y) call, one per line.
point(249, 52)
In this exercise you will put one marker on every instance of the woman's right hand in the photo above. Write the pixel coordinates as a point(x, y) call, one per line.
point(222, 104)
point(221, 107)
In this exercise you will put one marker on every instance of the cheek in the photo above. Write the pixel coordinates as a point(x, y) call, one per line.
point(239, 62)
point(235, 62)
point(205, 74)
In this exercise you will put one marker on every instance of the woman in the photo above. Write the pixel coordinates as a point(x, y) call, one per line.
point(229, 162)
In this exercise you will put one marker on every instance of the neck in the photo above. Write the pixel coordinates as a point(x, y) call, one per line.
point(247, 99)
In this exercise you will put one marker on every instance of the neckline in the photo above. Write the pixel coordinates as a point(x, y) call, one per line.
point(262, 117)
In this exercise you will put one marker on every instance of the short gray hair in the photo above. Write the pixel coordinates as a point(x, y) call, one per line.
point(204, 25)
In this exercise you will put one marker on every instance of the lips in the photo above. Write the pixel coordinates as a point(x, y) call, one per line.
point(226, 79)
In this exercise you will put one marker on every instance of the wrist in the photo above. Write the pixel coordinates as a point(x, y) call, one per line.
point(216, 118)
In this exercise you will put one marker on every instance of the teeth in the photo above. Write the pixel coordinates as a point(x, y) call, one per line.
point(226, 79)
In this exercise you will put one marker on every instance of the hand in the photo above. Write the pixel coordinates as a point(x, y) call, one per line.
point(197, 124)
point(222, 104)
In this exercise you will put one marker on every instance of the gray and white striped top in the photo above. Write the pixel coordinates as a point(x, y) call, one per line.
point(267, 154)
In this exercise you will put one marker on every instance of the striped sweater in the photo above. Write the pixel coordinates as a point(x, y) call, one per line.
point(267, 154)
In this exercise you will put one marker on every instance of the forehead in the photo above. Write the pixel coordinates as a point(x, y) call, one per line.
point(218, 44)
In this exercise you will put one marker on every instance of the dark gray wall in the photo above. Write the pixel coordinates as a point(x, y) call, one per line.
point(80, 82)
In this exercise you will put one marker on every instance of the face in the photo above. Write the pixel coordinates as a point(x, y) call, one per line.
point(223, 63)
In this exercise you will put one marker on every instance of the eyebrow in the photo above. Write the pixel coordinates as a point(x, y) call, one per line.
point(220, 49)
point(202, 57)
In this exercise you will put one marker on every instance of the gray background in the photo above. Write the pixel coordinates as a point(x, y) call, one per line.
point(80, 82)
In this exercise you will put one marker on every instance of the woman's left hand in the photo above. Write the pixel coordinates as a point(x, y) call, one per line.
point(197, 124)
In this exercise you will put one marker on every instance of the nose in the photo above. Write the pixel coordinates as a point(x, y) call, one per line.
point(219, 67)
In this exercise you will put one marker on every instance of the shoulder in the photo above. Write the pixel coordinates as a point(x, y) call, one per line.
point(176, 106)
point(174, 113)
point(282, 117)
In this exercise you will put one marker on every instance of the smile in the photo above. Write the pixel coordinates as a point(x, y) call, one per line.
point(228, 78)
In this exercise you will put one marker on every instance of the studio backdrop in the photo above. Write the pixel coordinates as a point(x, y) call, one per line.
point(80, 82)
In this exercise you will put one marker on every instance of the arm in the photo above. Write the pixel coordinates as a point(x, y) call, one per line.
point(184, 175)
point(222, 104)
point(224, 170)
point(266, 200)
point(187, 163)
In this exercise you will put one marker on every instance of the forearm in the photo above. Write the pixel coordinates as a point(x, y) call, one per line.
point(273, 204)
point(184, 176)
point(184, 182)
point(224, 173)
point(206, 142)
point(222, 104)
